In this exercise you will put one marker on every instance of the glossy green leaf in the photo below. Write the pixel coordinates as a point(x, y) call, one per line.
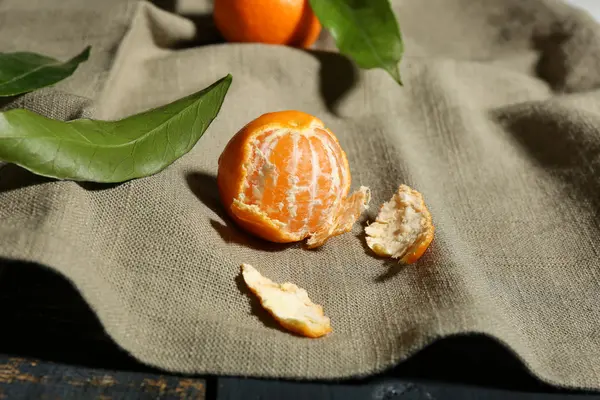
point(364, 30)
point(24, 72)
point(109, 151)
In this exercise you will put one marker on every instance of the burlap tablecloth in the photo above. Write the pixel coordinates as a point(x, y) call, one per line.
point(498, 125)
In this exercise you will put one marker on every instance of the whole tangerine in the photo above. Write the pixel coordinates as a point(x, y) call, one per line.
point(284, 22)
point(284, 177)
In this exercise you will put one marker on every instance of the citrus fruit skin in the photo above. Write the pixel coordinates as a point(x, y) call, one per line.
point(283, 22)
point(403, 228)
point(284, 177)
point(288, 304)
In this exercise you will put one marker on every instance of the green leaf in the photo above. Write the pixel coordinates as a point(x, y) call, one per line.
point(24, 72)
point(364, 30)
point(109, 151)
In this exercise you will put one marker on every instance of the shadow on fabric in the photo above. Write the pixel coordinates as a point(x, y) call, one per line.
point(551, 65)
point(255, 308)
point(206, 31)
point(567, 147)
point(337, 77)
point(13, 177)
point(204, 186)
point(6, 101)
point(167, 5)
point(44, 317)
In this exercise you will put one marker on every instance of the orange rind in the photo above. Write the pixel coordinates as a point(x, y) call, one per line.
point(279, 22)
point(349, 212)
point(288, 304)
point(403, 228)
point(284, 177)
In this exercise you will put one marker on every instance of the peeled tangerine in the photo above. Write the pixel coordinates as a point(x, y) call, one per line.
point(284, 177)
point(403, 228)
point(288, 304)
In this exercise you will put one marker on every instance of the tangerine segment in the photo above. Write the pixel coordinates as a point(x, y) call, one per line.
point(403, 228)
point(284, 22)
point(288, 304)
point(284, 177)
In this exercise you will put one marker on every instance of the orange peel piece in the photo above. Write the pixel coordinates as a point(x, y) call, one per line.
point(403, 228)
point(350, 210)
point(288, 304)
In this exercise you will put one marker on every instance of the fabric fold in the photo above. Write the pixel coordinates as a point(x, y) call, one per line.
point(497, 126)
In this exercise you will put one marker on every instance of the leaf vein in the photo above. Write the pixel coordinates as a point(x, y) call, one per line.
point(6, 83)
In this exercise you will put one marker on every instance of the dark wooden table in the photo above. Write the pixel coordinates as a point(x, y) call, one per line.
point(33, 379)
point(53, 347)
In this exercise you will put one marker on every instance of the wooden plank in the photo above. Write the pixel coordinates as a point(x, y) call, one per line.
point(378, 389)
point(22, 378)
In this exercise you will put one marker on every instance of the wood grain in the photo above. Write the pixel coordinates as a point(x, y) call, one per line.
point(32, 379)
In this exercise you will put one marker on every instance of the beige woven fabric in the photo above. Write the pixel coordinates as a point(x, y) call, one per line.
point(497, 125)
